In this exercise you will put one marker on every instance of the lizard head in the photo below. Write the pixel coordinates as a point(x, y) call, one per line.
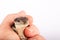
point(21, 21)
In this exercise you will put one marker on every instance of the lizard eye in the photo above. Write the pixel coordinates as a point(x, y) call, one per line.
point(17, 20)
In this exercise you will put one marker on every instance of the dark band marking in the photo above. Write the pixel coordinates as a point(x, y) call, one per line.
point(23, 19)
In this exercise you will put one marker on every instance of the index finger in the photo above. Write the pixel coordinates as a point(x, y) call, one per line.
point(9, 19)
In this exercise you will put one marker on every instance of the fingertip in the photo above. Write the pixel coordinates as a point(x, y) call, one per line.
point(31, 31)
point(22, 12)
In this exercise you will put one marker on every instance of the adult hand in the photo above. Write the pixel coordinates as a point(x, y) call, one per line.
point(6, 32)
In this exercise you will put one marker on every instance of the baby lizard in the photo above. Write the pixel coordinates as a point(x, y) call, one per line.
point(20, 24)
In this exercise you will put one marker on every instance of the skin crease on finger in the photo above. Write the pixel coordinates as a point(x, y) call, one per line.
point(8, 32)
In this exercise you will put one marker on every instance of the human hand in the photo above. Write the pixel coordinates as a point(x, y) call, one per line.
point(6, 32)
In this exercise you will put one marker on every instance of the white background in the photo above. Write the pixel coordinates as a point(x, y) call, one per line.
point(46, 14)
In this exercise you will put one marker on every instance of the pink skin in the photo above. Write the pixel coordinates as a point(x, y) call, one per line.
point(6, 33)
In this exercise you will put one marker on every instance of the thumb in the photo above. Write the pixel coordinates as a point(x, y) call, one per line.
point(31, 31)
